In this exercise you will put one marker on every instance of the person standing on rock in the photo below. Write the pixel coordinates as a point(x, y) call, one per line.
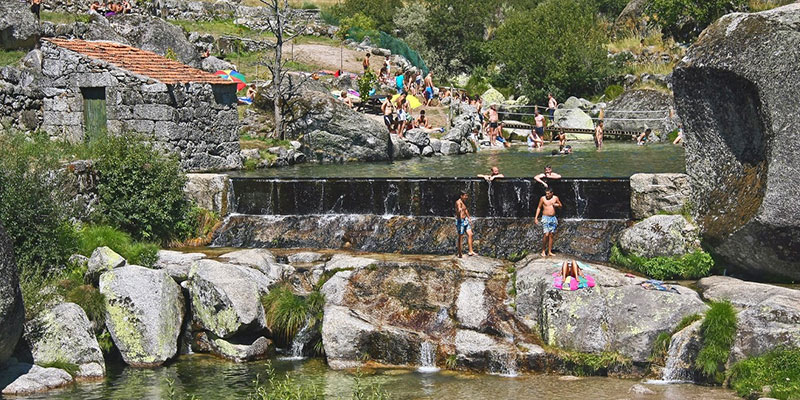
point(552, 104)
point(36, 6)
point(428, 88)
point(547, 207)
point(494, 124)
point(539, 122)
point(598, 135)
point(463, 222)
point(365, 64)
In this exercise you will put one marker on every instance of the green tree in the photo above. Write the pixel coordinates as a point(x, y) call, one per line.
point(556, 47)
point(685, 19)
point(380, 11)
point(455, 34)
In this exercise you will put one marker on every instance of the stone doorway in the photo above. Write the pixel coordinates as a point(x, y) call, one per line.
point(95, 119)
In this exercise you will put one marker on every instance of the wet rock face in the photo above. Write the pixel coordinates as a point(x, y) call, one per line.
point(740, 115)
point(769, 316)
point(12, 311)
point(33, 379)
point(144, 314)
point(65, 334)
point(616, 315)
point(385, 311)
point(682, 353)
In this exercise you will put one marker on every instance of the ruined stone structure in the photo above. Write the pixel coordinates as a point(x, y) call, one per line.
point(94, 87)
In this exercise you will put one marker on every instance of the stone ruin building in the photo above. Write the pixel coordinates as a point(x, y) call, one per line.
point(94, 87)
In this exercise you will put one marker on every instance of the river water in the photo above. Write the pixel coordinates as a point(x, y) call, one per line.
point(209, 378)
point(616, 160)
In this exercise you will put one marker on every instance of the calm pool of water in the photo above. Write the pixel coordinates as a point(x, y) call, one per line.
point(617, 159)
point(210, 378)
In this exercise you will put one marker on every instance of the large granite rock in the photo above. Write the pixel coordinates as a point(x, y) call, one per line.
point(209, 191)
point(741, 123)
point(617, 315)
point(177, 264)
point(64, 334)
point(682, 353)
point(156, 35)
point(333, 132)
point(102, 260)
point(639, 100)
point(18, 26)
point(225, 300)
point(660, 236)
point(12, 311)
point(258, 349)
point(573, 118)
point(30, 379)
point(633, 13)
point(388, 311)
point(769, 316)
point(144, 314)
point(262, 260)
point(653, 193)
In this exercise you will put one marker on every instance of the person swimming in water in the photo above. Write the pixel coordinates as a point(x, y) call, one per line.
point(494, 175)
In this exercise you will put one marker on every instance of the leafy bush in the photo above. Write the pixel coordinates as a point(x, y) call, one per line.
point(141, 190)
point(690, 266)
point(94, 236)
point(685, 19)
point(592, 364)
point(557, 46)
point(366, 83)
point(287, 313)
point(34, 204)
point(718, 330)
point(613, 91)
point(778, 369)
point(454, 35)
point(381, 12)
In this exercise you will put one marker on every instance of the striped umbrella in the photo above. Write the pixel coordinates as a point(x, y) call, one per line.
point(232, 75)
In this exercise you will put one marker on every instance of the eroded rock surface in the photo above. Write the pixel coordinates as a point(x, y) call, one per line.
point(12, 311)
point(660, 236)
point(741, 123)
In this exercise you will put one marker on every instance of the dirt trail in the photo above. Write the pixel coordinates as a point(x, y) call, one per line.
point(328, 57)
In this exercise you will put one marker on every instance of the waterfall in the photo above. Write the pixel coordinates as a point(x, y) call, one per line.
point(427, 358)
point(300, 340)
point(676, 369)
point(580, 202)
point(504, 365)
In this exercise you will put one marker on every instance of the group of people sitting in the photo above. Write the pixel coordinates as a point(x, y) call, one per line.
point(111, 8)
point(398, 118)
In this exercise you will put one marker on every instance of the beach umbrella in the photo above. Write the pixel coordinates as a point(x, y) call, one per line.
point(232, 75)
point(413, 102)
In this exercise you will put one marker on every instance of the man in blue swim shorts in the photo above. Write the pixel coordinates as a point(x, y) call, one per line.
point(463, 223)
point(547, 207)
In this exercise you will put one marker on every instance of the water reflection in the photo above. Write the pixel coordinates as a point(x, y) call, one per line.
point(618, 159)
point(211, 378)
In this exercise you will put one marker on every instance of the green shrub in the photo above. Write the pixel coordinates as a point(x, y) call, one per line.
point(70, 368)
point(380, 12)
point(141, 190)
point(138, 253)
point(718, 330)
point(366, 83)
point(592, 364)
point(309, 6)
point(287, 313)
point(685, 19)
point(613, 91)
point(90, 300)
point(778, 369)
point(690, 266)
point(34, 204)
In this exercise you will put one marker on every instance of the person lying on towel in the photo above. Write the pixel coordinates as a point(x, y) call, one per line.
point(570, 268)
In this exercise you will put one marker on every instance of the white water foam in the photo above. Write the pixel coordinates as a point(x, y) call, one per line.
point(427, 358)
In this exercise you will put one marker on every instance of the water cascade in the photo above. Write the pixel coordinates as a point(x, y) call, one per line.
point(300, 340)
point(504, 364)
point(427, 358)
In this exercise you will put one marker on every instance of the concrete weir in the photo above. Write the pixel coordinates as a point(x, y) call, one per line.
point(415, 215)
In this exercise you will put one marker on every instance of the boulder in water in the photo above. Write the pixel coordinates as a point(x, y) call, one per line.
point(258, 349)
point(616, 315)
point(33, 378)
point(740, 114)
point(64, 334)
point(144, 314)
point(660, 236)
point(12, 311)
point(225, 300)
point(682, 353)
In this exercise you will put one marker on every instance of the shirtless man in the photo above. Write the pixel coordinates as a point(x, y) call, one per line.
point(539, 120)
point(598, 135)
point(549, 174)
point(547, 207)
point(494, 175)
point(388, 114)
point(422, 121)
point(428, 88)
point(562, 137)
point(552, 104)
point(463, 221)
point(494, 124)
point(365, 63)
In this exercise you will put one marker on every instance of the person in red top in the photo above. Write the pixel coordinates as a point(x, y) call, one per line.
point(36, 6)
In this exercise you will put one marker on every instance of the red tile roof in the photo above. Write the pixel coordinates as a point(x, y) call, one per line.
point(140, 62)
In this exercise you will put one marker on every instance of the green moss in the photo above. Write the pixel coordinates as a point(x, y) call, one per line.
point(221, 321)
point(778, 369)
point(592, 364)
point(690, 266)
point(8, 57)
point(126, 332)
point(517, 256)
point(71, 368)
point(717, 331)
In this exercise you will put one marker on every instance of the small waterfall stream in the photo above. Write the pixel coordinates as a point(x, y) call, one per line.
point(427, 358)
point(299, 342)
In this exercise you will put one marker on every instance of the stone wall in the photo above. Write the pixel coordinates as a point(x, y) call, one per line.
point(198, 122)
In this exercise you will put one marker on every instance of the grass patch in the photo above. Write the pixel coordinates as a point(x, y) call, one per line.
point(262, 143)
point(517, 256)
point(652, 86)
point(64, 18)
point(764, 5)
point(718, 330)
point(287, 313)
point(222, 27)
point(299, 66)
point(71, 369)
point(690, 266)
point(592, 364)
point(9, 57)
point(138, 253)
point(655, 68)
point(778, 369)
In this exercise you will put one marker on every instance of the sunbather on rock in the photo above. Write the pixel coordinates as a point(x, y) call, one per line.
point(570, 268)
